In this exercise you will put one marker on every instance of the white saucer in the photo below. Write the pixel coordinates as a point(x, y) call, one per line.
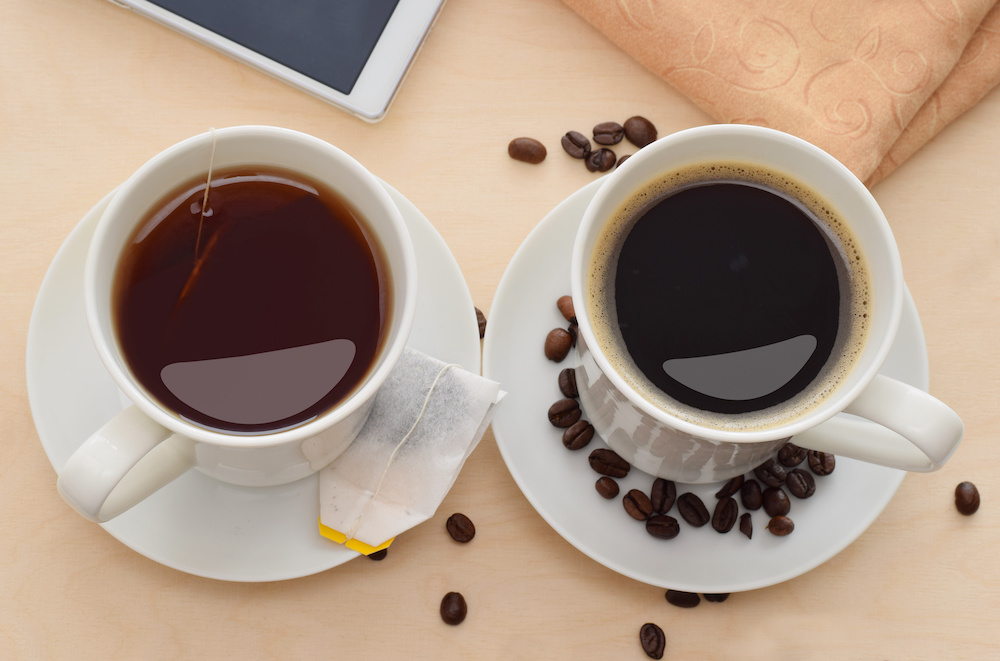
point(560, 483)
point(197, 524)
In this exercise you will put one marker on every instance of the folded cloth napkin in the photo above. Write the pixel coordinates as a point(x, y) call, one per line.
point(426, 420)
point(869, 82)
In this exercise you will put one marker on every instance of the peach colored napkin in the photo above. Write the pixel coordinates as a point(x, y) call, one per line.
point(870, 82)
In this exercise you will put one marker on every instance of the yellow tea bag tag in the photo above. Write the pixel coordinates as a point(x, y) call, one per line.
point(353, 544)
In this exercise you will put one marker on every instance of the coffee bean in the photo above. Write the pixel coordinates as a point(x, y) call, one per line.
point(527, 150)
point(652, 640)
point(379, 555)
point(821, 463)
point(565, 305)
point(576, 144)
point(692, 509)
point(800, 483)
point(567, 382)
point(637, 505)
point(460, 527)
point(967, 498)
point(662, 495)
point(609, 133)
point(578, 435)
point(565, 413)
point(717, 598)
point(746, 525)
point(791, 455)
point(573, 329)
point(606, 462)
point(453, 608)
point(481, 319)
point(725, 515)
point(662, 526)
point(607, 487)
point(730, 487)
point(683, 599)
point(751, 496)
point(640, 131)
point(622, 159)
point(780, 526)
point(776, 501)
point(557, 344)
point(601, 160)
point(771, 473)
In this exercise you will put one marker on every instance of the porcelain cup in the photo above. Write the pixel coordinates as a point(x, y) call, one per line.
point(868, 416)
point(146, 446)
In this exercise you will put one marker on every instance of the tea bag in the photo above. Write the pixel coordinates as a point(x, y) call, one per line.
point(425, 421)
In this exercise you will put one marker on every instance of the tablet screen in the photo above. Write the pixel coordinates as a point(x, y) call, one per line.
point(328, 40)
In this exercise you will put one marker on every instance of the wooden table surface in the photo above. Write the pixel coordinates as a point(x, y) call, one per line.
point(89, 91)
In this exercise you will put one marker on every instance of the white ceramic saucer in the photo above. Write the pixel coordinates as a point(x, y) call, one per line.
point(197, 524)
point(560, 483)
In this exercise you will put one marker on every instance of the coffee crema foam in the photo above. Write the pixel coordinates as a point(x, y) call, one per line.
point(852, 274)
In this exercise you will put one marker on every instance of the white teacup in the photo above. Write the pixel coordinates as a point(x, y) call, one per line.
point(893, 424)
point(148, 445)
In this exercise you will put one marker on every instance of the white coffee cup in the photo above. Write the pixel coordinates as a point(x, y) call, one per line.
point(146, 446)
point(893, 424)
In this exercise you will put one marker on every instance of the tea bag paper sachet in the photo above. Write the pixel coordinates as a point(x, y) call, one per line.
point(426, 420)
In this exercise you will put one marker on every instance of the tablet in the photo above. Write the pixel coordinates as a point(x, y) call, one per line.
point(351, 53)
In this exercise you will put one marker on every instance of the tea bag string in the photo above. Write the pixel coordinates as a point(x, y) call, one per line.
point(395, 451)
point(204, 199)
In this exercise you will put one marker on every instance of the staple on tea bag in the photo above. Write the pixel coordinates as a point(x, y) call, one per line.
point(425, 421)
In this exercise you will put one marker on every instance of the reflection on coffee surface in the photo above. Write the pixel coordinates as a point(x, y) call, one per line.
point(729, 295)
point(255, 310)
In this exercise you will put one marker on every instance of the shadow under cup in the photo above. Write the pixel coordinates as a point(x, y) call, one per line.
point(678, 441)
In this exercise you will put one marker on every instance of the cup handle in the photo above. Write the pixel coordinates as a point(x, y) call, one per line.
point(903, 427)
point(121, 464)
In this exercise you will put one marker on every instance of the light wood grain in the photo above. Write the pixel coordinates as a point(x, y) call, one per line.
point(88, 92)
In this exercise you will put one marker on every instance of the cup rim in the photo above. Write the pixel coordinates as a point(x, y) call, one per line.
point(837, 401)
point(403, 272)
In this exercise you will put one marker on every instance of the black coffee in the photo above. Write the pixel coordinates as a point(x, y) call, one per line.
point(731, 288)
point(259, 313)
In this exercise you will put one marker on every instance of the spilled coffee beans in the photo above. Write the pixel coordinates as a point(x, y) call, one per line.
point(662, 526)
point(725, 515)
point(682, 599)
point(565, 413)
point(652, 640)
point(639, 131)
point(821, 463)
point(780, 526)
point(527, 150)
point(800, 483)
point(692, 509)
point(608, 133)
point(576, 144)
point(776, 502)
point(637, 505)
point(460, 527)
point(607, 487)
point(662, 495)
point(453, 608)
point(601, 160)
point(557, 344)
point(967, 498)
point(606, 462)
point(771, 473)
point(578, 435)
point(567, 383)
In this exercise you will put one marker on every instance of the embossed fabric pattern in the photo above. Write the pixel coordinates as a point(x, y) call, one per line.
point(869, 82)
